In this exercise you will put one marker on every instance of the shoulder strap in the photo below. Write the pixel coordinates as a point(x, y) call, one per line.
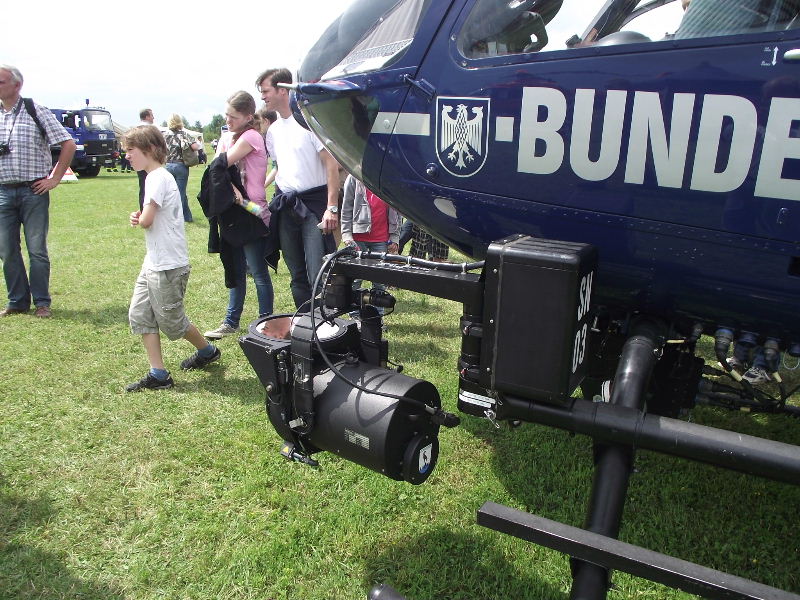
point(28, 102)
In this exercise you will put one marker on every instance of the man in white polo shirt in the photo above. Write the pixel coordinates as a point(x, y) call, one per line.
point(305, 205)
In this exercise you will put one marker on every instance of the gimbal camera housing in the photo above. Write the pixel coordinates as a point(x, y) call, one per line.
point(328, 388)
point(327, 381)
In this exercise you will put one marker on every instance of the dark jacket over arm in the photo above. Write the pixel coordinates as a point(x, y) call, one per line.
point(230, 225)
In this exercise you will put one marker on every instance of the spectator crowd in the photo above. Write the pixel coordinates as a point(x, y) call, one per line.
point(312, 210)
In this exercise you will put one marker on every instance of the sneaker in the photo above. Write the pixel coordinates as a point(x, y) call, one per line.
point(195, 361)
point(735, 364)
point(221, 331)
point(605, 392)
point(148, 382)
point(756, 376)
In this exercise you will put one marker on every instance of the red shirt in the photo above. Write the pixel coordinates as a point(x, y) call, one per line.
point(379, 231)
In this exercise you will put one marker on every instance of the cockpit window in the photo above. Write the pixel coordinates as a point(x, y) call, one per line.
point(655, 20)
point(496, 27)
point(706, 18)
point(502, 27)
point(369, 35)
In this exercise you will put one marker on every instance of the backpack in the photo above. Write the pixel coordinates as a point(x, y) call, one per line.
point(189, 157)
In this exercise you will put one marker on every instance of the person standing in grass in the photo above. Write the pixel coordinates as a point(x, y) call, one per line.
point(305, 206)
point(177, 139)
point(247, 151)
point(157, 302)
point(145, 118)
point(27, 175)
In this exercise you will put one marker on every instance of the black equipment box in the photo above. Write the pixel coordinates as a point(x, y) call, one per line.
point(536, 317)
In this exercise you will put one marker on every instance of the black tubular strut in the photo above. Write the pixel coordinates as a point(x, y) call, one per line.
point(613, 463)
point(637, 561)
point(726, 449)
point(618, 428)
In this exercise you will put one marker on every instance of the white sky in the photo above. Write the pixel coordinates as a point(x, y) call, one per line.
point(127, 56)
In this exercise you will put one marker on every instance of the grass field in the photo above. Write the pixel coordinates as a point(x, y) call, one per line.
point(182, 493)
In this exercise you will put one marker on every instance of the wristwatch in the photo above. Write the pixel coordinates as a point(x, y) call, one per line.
point(334, 209)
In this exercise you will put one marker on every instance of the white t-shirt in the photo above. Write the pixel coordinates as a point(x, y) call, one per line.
point(153, 124)
point(296, 150)
point(165, 238)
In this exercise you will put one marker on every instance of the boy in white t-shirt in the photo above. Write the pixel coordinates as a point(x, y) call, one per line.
point(157, 302)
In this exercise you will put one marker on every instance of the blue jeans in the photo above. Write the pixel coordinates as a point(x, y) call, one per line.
point(253, 255)
point(181, 174)
point(302, 247)
point(20, 207)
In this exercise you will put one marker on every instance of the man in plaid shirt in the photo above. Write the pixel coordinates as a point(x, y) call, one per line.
point(26, 178)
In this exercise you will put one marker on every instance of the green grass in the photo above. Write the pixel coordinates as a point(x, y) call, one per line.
point(182, 493)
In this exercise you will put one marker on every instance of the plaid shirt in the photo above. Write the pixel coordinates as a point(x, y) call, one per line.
point(30, 156)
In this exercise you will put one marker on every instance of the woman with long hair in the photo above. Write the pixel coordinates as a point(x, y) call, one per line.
point(246, 149)
point(177, 139)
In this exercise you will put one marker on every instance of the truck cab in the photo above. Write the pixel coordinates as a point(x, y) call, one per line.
point(93, 132)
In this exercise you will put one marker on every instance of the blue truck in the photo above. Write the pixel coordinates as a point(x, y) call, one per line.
point(93, 132)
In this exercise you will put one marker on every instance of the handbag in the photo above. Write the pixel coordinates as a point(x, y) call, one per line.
point(189, 157)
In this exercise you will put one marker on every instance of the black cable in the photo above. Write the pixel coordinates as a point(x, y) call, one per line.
point(325, 315)
point(298, 439)
point(331, 259)
point(430, 264)
point(745, 393)
point(297, 313)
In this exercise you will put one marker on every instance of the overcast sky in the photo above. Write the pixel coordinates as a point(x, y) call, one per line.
point(174, 55)
point(170, 55)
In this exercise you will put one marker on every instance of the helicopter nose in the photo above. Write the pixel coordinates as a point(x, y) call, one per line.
point(298, 115)
point(341, 113)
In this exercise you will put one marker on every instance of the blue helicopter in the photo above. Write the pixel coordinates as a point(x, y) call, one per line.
point(630, 182)
point(675, 155)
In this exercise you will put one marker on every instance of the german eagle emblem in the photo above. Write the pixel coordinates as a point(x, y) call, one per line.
point(462, 134)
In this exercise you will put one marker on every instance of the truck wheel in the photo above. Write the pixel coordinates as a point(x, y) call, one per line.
point(88, 172)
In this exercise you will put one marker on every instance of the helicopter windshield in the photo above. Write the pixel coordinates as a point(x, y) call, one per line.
point(369, 35)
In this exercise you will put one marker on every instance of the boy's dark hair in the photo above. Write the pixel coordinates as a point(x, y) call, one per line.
point(275, 76)
point(144, 113)
point(148, 139)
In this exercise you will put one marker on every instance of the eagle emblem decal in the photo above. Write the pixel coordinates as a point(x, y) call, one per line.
point(462, 132)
